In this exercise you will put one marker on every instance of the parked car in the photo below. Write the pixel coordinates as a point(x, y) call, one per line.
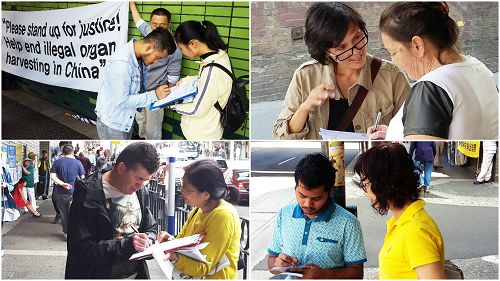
point(239, 178)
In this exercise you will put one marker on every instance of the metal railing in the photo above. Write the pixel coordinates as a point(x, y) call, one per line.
point(157, 205)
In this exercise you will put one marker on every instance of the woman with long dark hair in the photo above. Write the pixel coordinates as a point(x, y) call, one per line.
point(201, 119)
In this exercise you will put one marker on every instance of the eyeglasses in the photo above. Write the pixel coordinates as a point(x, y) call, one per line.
point(183, 190)
point(363, 185)
point(349, 52)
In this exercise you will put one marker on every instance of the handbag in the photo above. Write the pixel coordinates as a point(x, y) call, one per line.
point(452, 271)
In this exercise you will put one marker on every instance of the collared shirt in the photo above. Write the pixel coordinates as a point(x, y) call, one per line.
point(331, 240)
point(411, 241)
point(119, 96)
point(166, 70)
point(386, 94)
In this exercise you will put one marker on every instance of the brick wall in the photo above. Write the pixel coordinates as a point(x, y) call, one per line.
point(275, 56)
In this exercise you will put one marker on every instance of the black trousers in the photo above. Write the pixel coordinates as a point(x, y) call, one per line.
point(63, 203)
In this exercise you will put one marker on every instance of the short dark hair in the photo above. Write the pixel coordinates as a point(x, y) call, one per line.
point(403, 20)
point(162, 39)
point(161, 12)
point(390, 170)
point(315, 170)
point(203, 31)
point(140, 153)
point(22, 179)
point(327, 23)
point(67, 149)
point(206, 176)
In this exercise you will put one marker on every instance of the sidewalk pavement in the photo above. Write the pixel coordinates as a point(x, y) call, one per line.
point(264, 114)
point(39, 118)
point(451, 185)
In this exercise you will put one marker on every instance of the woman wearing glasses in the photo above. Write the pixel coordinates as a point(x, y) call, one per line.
point(413, 246)
point(421, 38)
point(322, 90)
point(204, 188)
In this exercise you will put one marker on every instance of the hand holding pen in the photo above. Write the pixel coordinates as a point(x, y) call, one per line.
point(140, 240)
point(377, 120)
point(284, 260)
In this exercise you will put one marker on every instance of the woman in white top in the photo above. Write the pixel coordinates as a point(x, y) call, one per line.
point(200, 119)
point(455, 96)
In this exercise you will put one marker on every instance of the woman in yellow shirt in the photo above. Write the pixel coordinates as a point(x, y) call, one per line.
point(204, 188)
point(413, 246)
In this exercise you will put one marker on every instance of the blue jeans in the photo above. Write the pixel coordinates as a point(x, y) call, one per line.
point(425, 177)
point(107, 133)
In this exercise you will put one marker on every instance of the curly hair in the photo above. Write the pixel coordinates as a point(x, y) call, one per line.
point(390, 170)
point(315, 170)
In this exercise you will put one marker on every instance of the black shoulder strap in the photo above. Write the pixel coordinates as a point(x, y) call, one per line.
point(220, 66)
point(360, 97)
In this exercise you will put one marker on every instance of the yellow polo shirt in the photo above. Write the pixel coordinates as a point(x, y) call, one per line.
point(223, 232)
point(411, 241)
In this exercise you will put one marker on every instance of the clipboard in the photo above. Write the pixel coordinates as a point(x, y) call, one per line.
point(184, 91)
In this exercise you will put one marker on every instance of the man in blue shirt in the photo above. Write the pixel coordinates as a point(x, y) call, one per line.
point(64, 173)
point(315, 236)
point(166, 72)
point(120, 94)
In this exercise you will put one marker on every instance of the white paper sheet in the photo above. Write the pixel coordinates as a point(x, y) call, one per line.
point(339, 135)
point(186, 91)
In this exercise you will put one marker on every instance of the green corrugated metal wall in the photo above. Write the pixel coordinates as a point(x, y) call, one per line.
point(231, 18)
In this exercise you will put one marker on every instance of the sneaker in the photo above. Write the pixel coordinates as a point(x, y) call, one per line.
point(478, 182)
point(65, 236)
point(37, 215)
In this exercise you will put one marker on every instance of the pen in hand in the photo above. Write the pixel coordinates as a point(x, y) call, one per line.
point(141, 236)
point(134, 229)
point(377, 120)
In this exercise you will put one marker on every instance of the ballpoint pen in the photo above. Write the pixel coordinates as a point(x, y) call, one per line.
point(377, 120)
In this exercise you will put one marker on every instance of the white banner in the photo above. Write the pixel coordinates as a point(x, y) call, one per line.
point(67, 47)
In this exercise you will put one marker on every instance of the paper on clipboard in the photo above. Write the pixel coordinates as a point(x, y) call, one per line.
point(172, 245)
point(183, 91)
point(191, 249)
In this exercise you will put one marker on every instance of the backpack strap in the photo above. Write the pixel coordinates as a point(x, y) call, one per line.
point(220, 66)
point(360, 97)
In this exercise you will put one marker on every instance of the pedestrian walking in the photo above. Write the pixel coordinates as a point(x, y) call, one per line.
point(424, 156)
point(439, 154)
point(489, 151)
point(64, 173)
